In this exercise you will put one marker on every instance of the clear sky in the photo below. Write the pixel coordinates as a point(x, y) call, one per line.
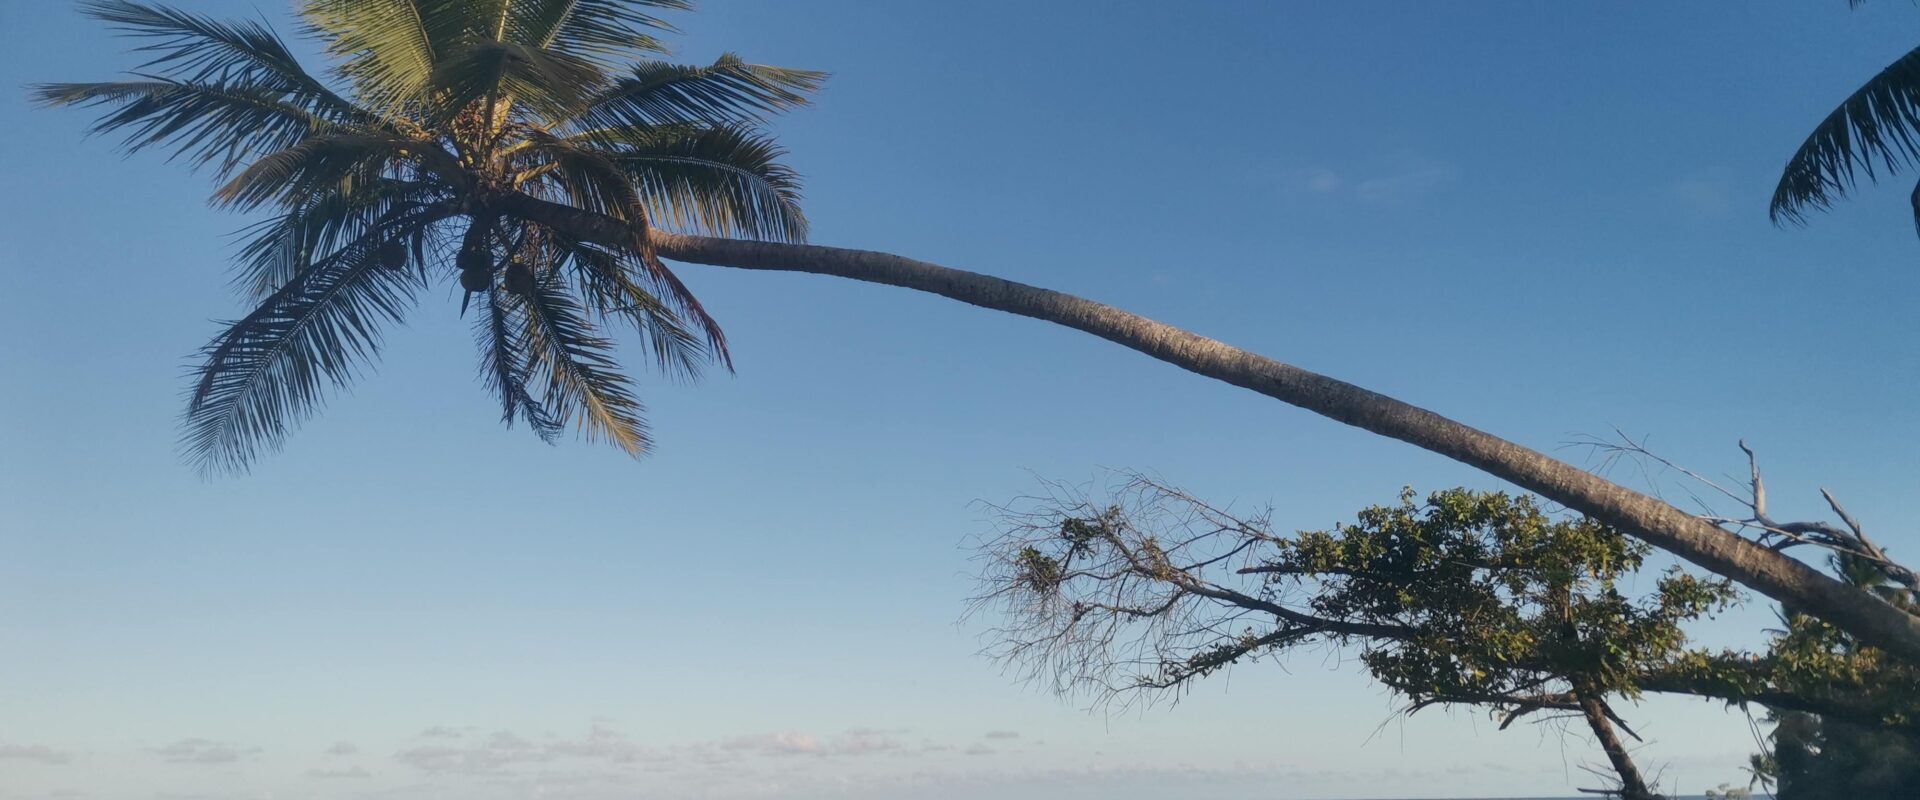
point(1543, 219)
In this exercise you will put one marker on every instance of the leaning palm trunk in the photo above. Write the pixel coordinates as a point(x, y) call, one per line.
point(1771, 573)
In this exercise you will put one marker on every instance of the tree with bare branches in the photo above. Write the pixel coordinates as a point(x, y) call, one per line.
point(1463, 598)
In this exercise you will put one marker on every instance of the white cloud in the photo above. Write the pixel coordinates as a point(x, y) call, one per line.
point(350, 772)
point(439, 732)
point(1002, 735)
point(34, 752)
point(980, 750)
point(342, 749)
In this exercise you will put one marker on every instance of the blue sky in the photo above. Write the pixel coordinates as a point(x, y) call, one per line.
point(1544, 220)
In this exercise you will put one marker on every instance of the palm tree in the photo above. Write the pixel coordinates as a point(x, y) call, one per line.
point(495, 115)
point(1874, 132)
point(391, 175)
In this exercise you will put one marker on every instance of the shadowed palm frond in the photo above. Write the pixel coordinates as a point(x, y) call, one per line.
point(270, 369)
point(218, 123)
point(280, 248)
point(581, 380)
point(1872, 133)
point(501, 332)
point(189, 48)
point(607, 280)
point(729, 91)
point(318, 165)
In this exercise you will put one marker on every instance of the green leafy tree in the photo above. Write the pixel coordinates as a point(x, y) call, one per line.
point(534, 149)
point(1822, 758)
point(1464, 598)
point(388, 174)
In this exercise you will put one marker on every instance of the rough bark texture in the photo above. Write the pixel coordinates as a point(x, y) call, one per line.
point(1770, 573)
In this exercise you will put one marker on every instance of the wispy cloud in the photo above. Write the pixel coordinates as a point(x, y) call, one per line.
point(439, 732)
point(980, 750)
point(34, 752)
point(1002, 735)
point(202, 751)
point(329, 774)
point(1393, 180)
point(342, 749)
point(499, 750)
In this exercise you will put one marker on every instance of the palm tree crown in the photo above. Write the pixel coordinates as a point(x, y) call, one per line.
point(402, 165)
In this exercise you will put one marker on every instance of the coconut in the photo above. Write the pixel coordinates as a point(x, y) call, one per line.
point(519, 278)
point(475, 280)
point(474, 260)
point(392, 254)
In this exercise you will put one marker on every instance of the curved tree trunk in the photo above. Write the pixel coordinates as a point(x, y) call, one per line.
point(1632, 785)
point(1658, 523)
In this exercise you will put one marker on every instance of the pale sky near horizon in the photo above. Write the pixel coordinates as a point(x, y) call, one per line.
point(1545, 220)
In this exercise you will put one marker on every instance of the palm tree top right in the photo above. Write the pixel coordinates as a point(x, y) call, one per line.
point(1875, 132)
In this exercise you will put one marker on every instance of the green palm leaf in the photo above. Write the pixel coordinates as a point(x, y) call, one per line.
point(582, 381)
point(724, 181)
point(605, 32)
point(729, 91)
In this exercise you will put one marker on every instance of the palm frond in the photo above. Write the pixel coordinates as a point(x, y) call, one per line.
point(388, 49)
point(551, 84)
point(605, 32)
point(582, 381)
point(506, 363)
point(317, 165)
point(728, 91)
point(224, 124)
point(608, 280)
point(278, 249)
point(725, 181)
point(270, 369)
point(1873, 132)
point(189, 48)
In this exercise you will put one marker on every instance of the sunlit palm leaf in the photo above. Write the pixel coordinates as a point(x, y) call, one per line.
point(1873, 132)
point(582, 382)
point(728, 91)
point(387, 49)
point(603, 31)
point(718, 182)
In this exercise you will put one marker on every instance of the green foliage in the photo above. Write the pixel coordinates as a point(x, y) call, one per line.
point(399, 167)
point(1497, 598)
point(1817, 757)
